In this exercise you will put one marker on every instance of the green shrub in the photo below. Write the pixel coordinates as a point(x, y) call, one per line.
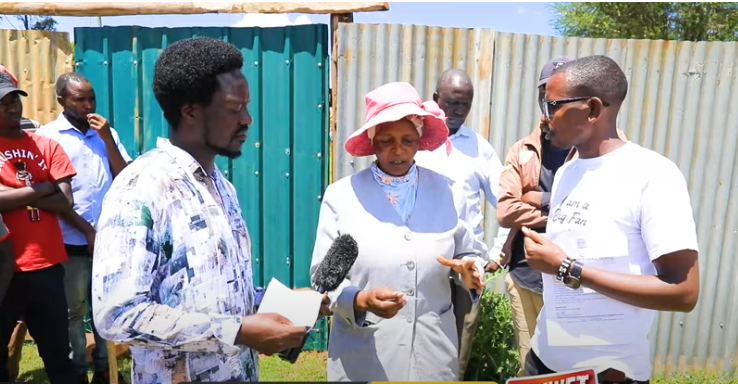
point(494, 355)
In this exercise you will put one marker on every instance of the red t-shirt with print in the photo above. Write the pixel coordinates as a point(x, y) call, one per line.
point(35, 234)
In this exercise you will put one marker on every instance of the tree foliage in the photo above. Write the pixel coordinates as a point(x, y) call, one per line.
point(31, 22)
point(653, 21)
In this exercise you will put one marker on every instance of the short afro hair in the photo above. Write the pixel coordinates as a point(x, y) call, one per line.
point(596, 76)
point(62, 83)
point(186, 72)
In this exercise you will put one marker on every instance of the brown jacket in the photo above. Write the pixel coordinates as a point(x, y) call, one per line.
point(520, 175)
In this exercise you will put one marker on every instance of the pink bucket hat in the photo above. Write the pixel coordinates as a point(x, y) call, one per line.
point(393, 102)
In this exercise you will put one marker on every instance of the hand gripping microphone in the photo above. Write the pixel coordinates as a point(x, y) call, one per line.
point(328, 277)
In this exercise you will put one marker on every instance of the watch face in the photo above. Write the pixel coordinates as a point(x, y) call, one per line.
point(572, 283)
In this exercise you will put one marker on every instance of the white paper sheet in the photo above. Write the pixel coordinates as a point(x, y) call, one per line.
point(583, 317)
point(300, 307)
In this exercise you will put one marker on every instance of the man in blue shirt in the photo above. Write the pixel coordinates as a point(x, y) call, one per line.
point(98, 156)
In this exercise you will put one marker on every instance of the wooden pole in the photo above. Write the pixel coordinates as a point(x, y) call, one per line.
point(112, 361)
point(110, 345)
point(335, 147)
point(168, 8)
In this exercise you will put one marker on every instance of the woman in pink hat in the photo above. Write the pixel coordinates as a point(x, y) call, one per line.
point(393, 318)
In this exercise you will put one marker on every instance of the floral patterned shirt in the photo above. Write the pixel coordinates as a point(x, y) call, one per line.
point(172, 271)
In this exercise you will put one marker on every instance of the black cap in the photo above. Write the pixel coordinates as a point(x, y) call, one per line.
point(549, 68)
point(7, 85)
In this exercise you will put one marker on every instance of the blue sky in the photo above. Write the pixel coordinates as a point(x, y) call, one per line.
point(529, 18)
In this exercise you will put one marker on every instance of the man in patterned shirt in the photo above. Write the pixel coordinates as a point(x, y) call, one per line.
point(172, 271)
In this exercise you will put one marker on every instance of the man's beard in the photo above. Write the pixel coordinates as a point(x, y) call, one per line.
point(77, 121)
point(223, 151)
point(454, 124)
point(547, 132)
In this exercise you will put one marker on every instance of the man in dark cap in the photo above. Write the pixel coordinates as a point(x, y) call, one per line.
point(27, 124)
point(35, 190)
point(525, 187)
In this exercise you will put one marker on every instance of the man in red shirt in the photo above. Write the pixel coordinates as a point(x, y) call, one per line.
point(35, 191)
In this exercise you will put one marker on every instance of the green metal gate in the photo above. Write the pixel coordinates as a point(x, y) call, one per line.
point(283, 171)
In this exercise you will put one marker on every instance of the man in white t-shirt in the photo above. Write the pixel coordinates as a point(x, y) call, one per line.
point(620, 225)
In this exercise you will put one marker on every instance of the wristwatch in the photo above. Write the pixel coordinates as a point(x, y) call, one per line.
point(497, 261)
point(573, 279)
point(498, 264)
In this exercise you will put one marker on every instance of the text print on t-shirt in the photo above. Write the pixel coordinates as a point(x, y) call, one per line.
point(571, 212)
point(22, 155)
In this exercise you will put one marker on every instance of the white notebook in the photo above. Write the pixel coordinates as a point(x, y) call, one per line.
point(300, 307)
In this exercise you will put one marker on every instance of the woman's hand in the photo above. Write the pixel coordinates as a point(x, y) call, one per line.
point(383, 302)
point(468, 270)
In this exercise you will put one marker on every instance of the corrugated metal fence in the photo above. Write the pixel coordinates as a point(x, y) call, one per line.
point(682, 102)
point(283, 170)
point(37, 58)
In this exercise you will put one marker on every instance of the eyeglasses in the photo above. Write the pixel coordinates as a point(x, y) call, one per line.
point(548, 107)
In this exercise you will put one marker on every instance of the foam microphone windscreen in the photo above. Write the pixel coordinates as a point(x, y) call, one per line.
point(328, 277)
point(336, 264)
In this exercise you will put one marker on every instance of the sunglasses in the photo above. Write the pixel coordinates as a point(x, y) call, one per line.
point(548, 107)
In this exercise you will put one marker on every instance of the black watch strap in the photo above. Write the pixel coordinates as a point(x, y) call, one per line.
point(563, 269)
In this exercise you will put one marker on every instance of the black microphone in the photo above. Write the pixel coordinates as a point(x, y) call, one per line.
point(328, 277)
point(336, 265)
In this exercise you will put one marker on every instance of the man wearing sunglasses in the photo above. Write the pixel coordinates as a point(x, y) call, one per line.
point(621, 228)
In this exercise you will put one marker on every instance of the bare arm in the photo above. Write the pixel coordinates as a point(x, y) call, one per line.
point(117, 162)
point(674, 288)
point(59, 201)
point(14, 198)
point(117, 156)
point(62, 202)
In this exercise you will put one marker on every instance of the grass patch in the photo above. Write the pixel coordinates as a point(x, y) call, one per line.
point(493, 357)
point(310, 367)
point(696, 378)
